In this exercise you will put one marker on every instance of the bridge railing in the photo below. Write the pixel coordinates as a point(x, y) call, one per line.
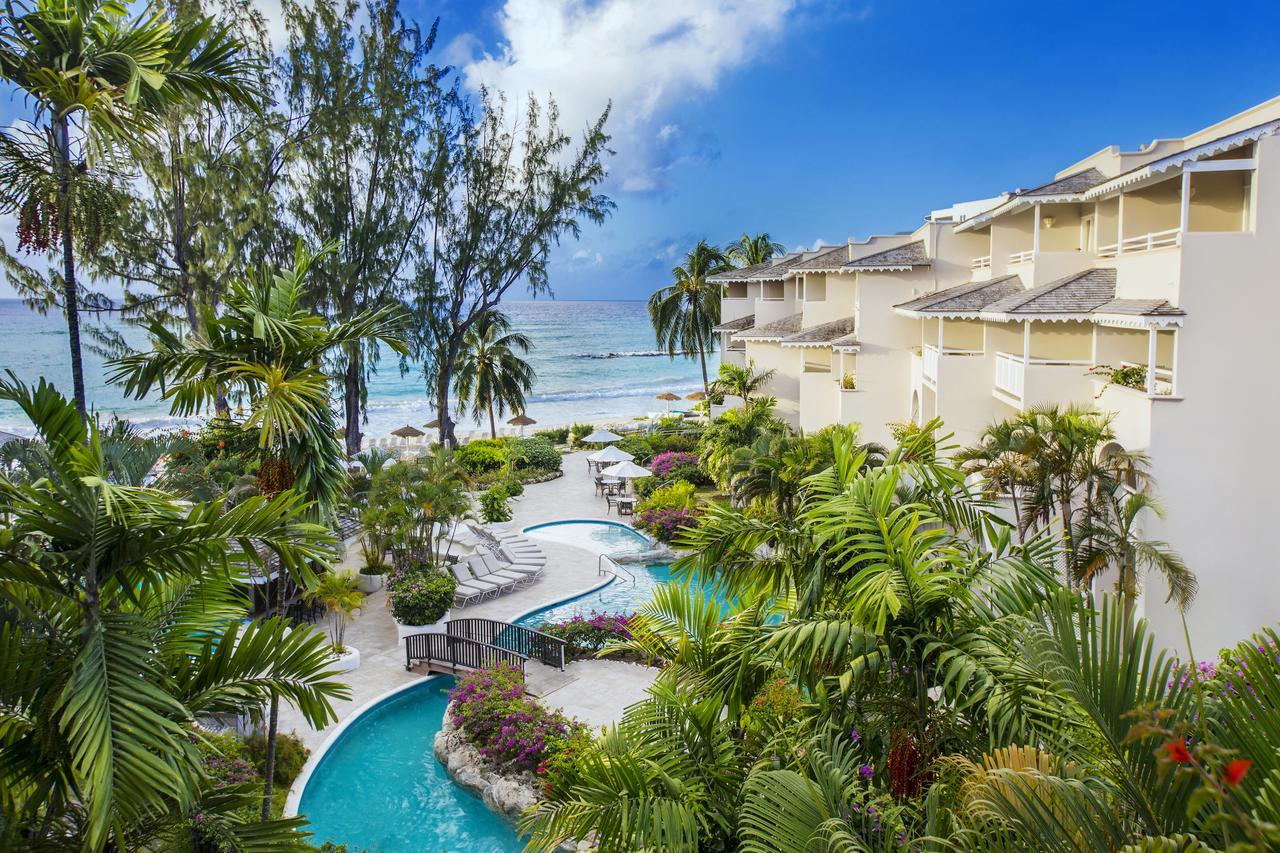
point(458, 652)
point(516, 638)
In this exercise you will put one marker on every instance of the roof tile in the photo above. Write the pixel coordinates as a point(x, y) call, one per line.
point(909, 255)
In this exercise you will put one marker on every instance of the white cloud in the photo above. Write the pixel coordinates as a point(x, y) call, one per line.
point(585, 258)
point(643, 55)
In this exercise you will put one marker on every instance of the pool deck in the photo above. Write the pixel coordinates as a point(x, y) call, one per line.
point(594, 691)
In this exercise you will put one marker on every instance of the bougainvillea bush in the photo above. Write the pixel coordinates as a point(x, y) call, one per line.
point(586, 635)
point(664, 463)
point(510, 729)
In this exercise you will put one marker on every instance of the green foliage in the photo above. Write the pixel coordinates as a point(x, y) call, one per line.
point(421, 596)
point(555, 435)
point(291, 755)
point(534, 454)
point(684, 312)
point(577, 432)
point(412, 504)
point(492, 378)
point(493, 504)
point(483, 455)
point(513, 488)
point(677, 495)
point(338, 593)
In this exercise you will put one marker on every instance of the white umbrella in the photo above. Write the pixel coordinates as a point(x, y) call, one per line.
point(611, 454)
point(627, 471)
point(602, 436)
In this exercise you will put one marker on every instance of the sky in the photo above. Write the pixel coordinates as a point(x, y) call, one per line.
point(820, 120)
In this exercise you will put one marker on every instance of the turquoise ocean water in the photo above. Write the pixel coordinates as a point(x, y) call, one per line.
point(595, 360)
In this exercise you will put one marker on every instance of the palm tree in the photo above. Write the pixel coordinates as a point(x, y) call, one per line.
point(744, 381)
point(267, 349)
point(122, 626)
point(490, 376)
point(339, 594)
point(684, 313)
point(749, 251)
point(100, 82)
point(734, 429)
point(1108, 538)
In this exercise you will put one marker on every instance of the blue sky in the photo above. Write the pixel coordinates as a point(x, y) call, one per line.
point(821, 120)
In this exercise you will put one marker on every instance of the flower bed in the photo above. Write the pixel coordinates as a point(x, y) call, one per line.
point(510, 729)
point(586, 635)
point(664, 463)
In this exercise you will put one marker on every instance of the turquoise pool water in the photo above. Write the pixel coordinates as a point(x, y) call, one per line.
point(380, 787)
point(598, 537)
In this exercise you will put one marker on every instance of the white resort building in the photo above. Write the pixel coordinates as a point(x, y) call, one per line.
point(1165, 260)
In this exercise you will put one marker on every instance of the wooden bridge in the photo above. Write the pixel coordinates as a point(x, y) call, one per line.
point(470, 644)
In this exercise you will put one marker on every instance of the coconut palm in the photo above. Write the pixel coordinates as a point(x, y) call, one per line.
point(734, 429)
point(740, 381)
point(491, 377)
point(266, 349)
point(751, 250)
point(1108, 538)
point(684, 312)
point(121, 626)
point(99, 80)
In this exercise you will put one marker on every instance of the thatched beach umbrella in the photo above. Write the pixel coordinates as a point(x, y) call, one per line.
point(434, 423)
point(696, 396)
point(601, 436)
point(669, 397)
point(407, 432)
point(522, 421)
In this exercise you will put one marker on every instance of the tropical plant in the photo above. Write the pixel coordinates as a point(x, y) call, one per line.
point(99, 80)
point(412, 506)
point(491, 377)
point(734, 429)
point(421, 596)
point(494, 508)
point(122, 624)
point(743, 381)
point(748, 250)
point(339, 594)
point(684, 312)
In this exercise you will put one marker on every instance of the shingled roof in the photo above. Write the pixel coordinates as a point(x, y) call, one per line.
point(820, 335)
point(1079, 293)
point(1070, 185)
point(898, 258)
point(847, 342)
point(738, 325)
point(774, 331)
point(781, 269)
point(739, 274)
point(965, 298)
point(830, 260)
point(1140, 308)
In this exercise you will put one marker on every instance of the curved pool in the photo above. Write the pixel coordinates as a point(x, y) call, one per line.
point(380, 787)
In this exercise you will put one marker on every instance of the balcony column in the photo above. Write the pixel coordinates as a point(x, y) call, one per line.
point(1026, 341)
point(1035, 231)
point(1151, 360)
point(1173, 380)
point(939, 336)
point(1184, 215)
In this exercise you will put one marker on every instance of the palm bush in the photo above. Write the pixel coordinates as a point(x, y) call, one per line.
point(339, 594)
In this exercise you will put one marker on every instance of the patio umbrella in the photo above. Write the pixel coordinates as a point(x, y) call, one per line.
point(696, 396)
point(611, 454)
point(602, 436)
point(407, 432)
point(668, 396)
point(432, 424)
point(522, 421)
point(627, 471)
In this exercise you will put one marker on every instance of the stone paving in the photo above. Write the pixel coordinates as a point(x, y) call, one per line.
point(594, 691)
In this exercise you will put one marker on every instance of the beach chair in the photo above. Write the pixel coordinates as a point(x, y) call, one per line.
point(521, 558)
point(494, 566)
point(491, 570)
point(469, 588)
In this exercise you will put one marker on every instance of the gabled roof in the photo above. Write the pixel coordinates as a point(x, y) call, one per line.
point(830, 260)
point(774, 331)
point(898, 258)
point(1141, 308)
point(1069, 188)
point(1070, 185)
point(739, 274)
point(738, 325)
point(1076, 294)
point(781, 269)
point(849, 343)
point(964, 299)
point(820, 335)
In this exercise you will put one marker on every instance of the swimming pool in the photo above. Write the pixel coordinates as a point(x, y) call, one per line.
point(598, 537)
point(380, 787)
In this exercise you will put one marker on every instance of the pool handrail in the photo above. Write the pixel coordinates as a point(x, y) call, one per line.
point(617, 567)
point(528, 642)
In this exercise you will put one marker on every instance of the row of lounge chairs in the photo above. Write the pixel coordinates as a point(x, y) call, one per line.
point(501, 564)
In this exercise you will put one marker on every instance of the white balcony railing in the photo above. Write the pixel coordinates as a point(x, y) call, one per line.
point(1011, 373)
point(1142, 243)
point(982, 263)
point(1022, 257)
point(929, 364)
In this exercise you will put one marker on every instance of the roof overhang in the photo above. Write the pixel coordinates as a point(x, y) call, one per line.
point(887, 268)
point(940, 315)
point(1131, 321)
point(1016, 205)
point(806, 344)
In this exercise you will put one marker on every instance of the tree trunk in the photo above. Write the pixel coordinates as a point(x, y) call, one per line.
point(273, 718)
point(351, 402)
point(493, 425)
point(702, 358)
point(62, 140)
point(444, 375)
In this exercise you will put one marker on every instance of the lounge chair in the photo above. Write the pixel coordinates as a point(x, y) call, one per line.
point(488, 569)
point(527, 558)
point(470, 588)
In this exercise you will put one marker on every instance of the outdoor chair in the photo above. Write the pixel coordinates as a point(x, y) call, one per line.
point(626, 506)
point(498, 566)
point(484, 570)
point(470, 588)
point(527, 558)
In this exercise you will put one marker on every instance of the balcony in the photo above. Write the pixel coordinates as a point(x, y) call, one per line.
point(1142, 243)
point(929, 365)
point(982, 263)
point(1022, 257)
point(1022, 382)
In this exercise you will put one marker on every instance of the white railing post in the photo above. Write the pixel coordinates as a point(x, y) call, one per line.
point(1151, 361)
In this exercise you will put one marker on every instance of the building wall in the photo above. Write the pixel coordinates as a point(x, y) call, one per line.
point(785, 384)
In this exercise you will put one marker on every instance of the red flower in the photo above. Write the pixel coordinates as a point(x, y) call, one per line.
point(1178, 751)
point(1235, 771)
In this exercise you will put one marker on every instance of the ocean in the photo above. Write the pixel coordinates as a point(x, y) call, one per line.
point(595, 360)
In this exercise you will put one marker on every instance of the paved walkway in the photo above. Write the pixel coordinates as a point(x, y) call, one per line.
point(594, 691)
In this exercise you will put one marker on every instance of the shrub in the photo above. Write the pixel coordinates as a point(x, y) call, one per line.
point(225, 758)
point(483, 455)
point(694, 474)
point(676, 495)
point(514, 488)
point(493, 504)
point(510, 729)
point(664, 463)
point(291, 754)
point(577, 432)
point(534, 454)
point(664, 524)
point(589, 634)
point(421, 597)
point(555, 435)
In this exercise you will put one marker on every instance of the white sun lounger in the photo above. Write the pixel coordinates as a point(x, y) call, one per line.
point(526, 558)
point(494, 571)
point(497, 565)
point(470, 588)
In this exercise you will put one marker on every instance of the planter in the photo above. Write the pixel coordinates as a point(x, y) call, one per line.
point(403, 630)
point(348, 660)
point(370, 583)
